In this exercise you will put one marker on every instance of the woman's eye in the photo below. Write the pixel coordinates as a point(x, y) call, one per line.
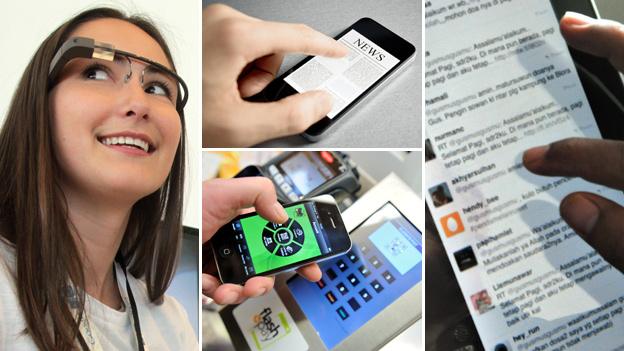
point(96, 73)
point(157, 89)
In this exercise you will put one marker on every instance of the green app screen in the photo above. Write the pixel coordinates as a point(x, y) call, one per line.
point(273, 245)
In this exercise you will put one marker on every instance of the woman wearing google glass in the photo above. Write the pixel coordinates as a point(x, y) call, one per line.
point(92, 153)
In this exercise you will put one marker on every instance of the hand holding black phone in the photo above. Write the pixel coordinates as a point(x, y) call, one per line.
point(250, 245)
point(375, 53)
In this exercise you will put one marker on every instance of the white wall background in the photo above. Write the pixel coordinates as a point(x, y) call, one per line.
point(25, 24)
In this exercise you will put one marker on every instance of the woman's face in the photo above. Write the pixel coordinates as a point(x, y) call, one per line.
point(97, 117)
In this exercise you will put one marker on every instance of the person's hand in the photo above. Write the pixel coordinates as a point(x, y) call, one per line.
point(241, 55)
point(602, 38)
point(597, 220)
point(224, 199)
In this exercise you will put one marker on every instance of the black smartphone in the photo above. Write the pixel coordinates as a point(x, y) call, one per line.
point(250, 245)
point(375, 53)
point(305, 174)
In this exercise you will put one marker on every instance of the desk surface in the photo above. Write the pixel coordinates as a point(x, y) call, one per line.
point(388, 117)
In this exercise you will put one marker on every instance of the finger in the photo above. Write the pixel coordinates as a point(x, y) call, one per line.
point(260, 74)
point(209, 284)
point(275, 37)
point(246, 210)
point(602, 38)
point(600, 222)
point(596, 160)
point(311, 272)
point(257, 286)
point(213, 11)
point(289, 116)
point(223, 198)
point(228, 294)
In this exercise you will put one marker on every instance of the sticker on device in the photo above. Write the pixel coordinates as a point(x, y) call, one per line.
point(267, 325)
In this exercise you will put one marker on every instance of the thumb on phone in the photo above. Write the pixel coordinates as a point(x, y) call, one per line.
point(291, 115)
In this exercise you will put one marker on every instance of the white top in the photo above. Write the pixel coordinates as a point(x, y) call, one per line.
point(164, 327)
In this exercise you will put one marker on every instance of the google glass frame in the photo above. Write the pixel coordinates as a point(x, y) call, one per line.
point(81, 47)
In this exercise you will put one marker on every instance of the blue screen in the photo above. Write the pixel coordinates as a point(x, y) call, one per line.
point(395, 246)
point(384, 263)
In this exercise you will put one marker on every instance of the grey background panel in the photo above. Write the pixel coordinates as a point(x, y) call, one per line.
point(389, 116)
point(611, 9)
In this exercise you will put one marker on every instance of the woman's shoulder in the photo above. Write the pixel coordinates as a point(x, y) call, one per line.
point(169, 308)
point(169, 316)
point(12, 322)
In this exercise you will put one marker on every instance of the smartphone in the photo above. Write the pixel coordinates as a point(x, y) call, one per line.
point(375, 53)
point(305, 174)
point(503, 82)
point(250, 245)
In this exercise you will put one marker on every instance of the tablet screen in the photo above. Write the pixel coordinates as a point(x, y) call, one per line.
point(499, 80)
point(384, 263)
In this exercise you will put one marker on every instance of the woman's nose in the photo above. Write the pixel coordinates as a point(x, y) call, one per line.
point(134, 101)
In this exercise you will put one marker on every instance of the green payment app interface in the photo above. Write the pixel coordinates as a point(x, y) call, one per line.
point(264, 246)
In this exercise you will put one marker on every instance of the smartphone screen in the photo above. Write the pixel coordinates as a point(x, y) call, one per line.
point(500, 79)
point(251, 245)
point(306, 171)
point(344, 78)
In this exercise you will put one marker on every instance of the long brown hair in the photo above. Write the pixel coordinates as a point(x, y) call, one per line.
point(33, 209)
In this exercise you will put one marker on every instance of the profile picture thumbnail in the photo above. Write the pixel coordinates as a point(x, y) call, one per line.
point(440, 195)
point(481, 301)
point(465, 258)
point(452, 224)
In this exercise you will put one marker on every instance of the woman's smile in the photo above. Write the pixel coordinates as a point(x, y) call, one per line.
point(132, 143)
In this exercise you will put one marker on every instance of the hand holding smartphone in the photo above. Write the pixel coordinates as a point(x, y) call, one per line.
point(250, 245)
point(375, 53)
point(519, 265)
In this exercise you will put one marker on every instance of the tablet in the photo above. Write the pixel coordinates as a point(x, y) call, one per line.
point(384, 263)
